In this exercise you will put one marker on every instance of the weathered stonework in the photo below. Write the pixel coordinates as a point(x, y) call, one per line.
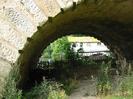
point(20, 21)
point(42, 21)
point(32, 8)
point(8, 52)
point(10, 35)
point(50, 7)
point(65, 3)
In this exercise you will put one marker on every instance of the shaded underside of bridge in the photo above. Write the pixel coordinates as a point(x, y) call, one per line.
point(28, 26)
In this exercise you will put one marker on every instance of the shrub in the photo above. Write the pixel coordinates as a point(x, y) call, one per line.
point(38, 92)
point(69, 85)
point(57, 94)
point(46, 90)
point(11, 91)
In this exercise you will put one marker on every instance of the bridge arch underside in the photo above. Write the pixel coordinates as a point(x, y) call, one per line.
point(111, 27)
point(109, 21)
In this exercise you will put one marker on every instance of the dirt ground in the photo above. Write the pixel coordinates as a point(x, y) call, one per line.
point(85, 90)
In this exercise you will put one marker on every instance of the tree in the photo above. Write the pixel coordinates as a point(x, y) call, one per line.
point(47, 53)
point(58, 50)
point(61, 49)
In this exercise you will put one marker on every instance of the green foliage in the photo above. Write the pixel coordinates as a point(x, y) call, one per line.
point(47, 52)
point(69, 85)
point(38, 92)
point(11, 92)
point(58, 50)
point(125, 88)
point(61, 47)
point(46, 90)
point(57, 94)
point(87, 62)
point(104, 84)
point(117, 97)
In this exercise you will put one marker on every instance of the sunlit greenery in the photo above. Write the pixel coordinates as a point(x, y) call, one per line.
point(58, 50)
point(67, 77)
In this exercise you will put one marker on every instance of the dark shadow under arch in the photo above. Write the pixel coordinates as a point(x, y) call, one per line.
point(86, 19)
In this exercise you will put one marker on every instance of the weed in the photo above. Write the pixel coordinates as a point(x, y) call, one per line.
point(46, 90)
point(103, 83)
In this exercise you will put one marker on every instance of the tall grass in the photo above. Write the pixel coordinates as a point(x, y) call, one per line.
point(120, 87)
point(125, 87)
point(103, 82)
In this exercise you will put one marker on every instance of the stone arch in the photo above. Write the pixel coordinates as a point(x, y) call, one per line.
point(28, 26)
